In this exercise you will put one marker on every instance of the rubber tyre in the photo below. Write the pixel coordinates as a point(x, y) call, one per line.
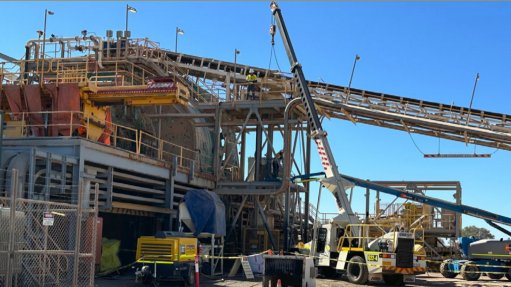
point(148, 279)
point(445, 271)
point(190, 278)
point(494, 276)
point(470, 272)
point(357, 270)
point(508, 276)
point(393, 279)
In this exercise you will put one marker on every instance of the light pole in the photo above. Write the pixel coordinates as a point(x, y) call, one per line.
point(357, 57)
point(472, 97)
point(46, 13)
point(128, 9)
point(473, 91)
point(179, 31)
point(236, 52)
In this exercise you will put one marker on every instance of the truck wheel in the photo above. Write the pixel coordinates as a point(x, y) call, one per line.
point(495, 276)
point(190, 278)
point(393, 279)
point(148, 279)
point(444, 270)
point(357, 270)
point(470, 272)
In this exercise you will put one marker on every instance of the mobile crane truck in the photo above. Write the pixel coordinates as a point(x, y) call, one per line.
point(481, 256)
point(364, 252)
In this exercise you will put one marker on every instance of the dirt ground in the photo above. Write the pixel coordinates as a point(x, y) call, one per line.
point(429, 279)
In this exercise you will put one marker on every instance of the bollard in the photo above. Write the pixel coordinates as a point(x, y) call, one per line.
point(197, 270)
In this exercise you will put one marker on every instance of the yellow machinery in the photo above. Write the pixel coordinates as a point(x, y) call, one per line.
point(369, 253)
point(161, 91)
point(366, 252)
point(166, 256)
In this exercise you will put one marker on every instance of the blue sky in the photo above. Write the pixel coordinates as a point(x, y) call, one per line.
point(428, 51)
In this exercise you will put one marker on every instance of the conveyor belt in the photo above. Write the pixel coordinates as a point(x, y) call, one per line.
point(464, 209)
point(411, 115)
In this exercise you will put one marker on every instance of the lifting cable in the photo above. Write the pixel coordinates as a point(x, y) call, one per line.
point(415, 144)
point(273, 54)
point(455, 155)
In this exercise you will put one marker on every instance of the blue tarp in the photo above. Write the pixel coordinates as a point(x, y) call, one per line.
point(206, 210)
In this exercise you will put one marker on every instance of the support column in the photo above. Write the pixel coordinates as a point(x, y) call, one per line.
point(31, 174)
point(287, 206)
point(12, 228)
point(47, 177)
point(228, 96)
point(217, 152)
point(109, 187)
point(269, 149)
point(169, 200)
point(286, 222)
point(258, 146)
point(63, 172)
point(368, 193)
point(377, 204)
point(307, 186)
point(78, 173)
point(243, 155)
point(458, 215)
point(265, 223)
point(235, 219)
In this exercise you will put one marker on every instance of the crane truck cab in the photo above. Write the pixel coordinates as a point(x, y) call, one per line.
point(366, 252)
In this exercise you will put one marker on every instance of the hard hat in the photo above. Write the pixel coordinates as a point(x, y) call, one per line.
point(251, 71)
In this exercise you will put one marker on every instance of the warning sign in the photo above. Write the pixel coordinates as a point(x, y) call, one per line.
point(48, 219)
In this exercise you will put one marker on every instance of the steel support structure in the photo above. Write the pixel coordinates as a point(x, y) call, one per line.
point(259, 128)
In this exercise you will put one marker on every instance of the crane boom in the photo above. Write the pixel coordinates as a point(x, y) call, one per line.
point(333, 181)
point(464, 209)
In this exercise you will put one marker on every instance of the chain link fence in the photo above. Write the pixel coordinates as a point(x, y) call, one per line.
point(45, 243)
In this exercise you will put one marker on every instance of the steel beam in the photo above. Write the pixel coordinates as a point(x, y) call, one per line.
point(265, 223)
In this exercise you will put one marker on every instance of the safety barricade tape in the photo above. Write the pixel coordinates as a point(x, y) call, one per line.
point(235, 257)
point(410, 270)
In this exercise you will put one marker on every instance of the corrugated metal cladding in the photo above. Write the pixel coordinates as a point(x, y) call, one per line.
point(65, 97)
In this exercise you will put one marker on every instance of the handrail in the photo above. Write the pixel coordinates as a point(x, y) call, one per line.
point(21, 124)
point(359, 235)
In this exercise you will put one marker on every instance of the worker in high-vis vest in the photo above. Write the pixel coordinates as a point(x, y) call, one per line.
point(251, 79)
